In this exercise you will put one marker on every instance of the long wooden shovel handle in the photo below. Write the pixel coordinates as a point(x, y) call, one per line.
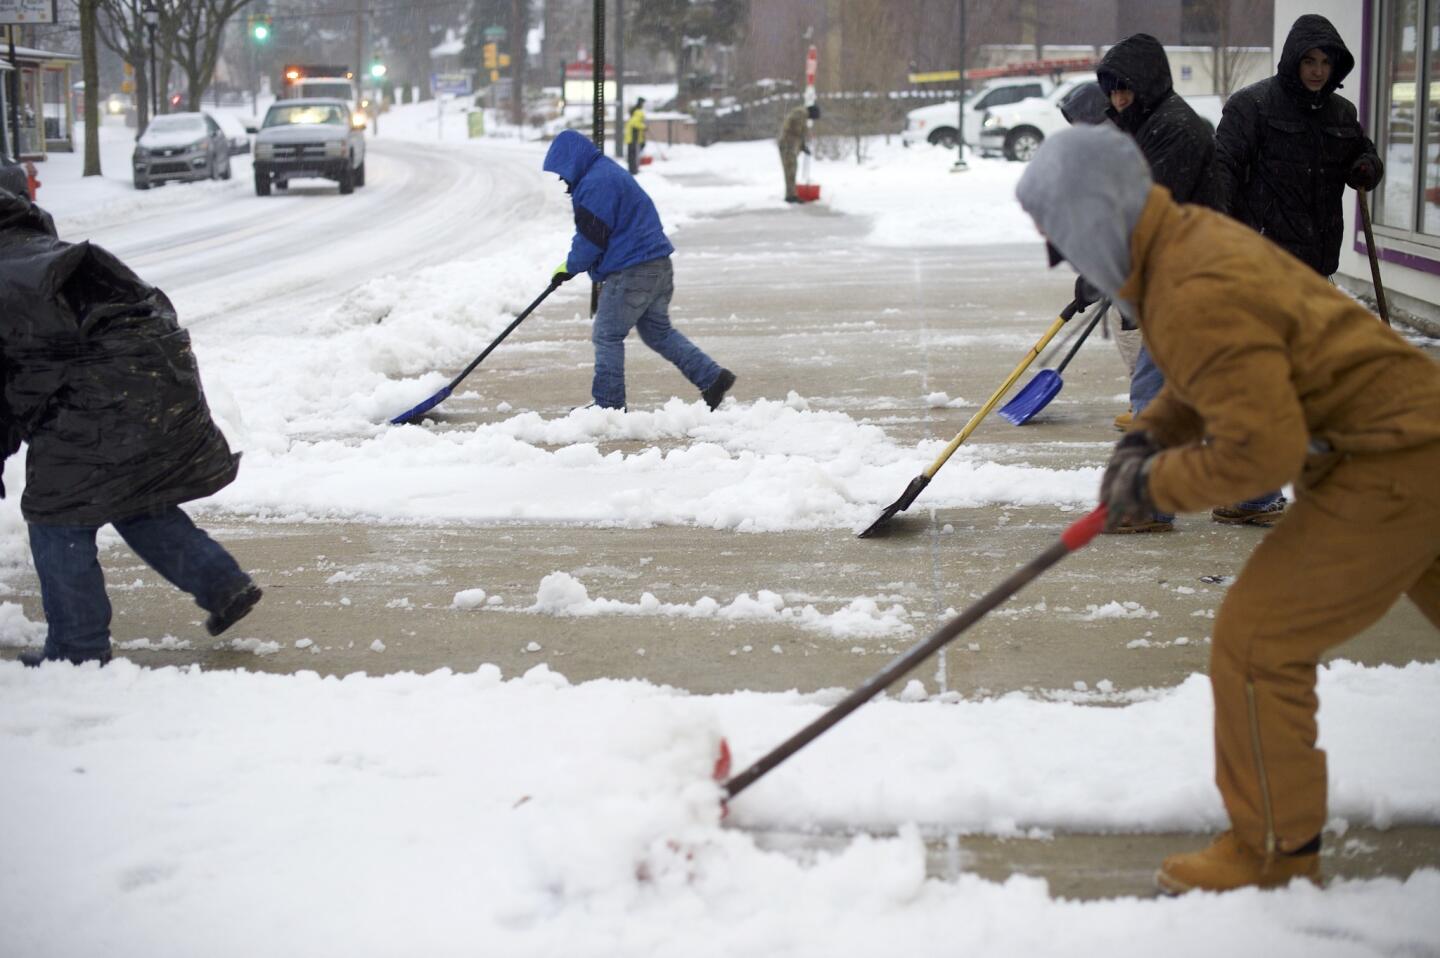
point(999, 394)
point(1374, 256)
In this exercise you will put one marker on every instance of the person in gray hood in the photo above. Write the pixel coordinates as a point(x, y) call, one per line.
point(1087, 214)
point(1272, 376)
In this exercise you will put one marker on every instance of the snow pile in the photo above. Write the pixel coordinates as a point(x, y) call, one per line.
point(16, 631)
point(1118, 610)
point(530, 817)
point(562, 594)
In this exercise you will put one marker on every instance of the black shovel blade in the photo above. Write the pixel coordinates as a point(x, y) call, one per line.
point(414, 414)
point(899, 505)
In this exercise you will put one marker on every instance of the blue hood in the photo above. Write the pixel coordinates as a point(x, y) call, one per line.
point(570, 157)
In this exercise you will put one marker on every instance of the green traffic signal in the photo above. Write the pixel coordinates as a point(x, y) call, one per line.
point(377, 70)
point(260, 29)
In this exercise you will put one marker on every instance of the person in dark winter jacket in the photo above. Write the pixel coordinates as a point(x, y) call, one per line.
point(1087, 104)
point(1180, 149)
point(620, 242)
point(1177, 143)
point(98, 378)
point(1288, 146)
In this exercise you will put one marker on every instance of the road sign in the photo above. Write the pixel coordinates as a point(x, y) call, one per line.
point(455, 84)
point(27, 11)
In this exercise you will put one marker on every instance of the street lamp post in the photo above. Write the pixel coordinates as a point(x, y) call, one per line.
point(151, 14)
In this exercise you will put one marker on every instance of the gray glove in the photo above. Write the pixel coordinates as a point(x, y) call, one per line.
point(1125, 488)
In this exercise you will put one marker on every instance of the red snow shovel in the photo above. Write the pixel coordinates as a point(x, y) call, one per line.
point(1047, 382)
point(1076, 536)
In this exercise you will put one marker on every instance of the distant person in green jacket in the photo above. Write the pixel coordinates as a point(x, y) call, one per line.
point(635, 135)
point(792, 144)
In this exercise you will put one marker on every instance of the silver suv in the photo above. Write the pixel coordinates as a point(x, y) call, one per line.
point(310, 137)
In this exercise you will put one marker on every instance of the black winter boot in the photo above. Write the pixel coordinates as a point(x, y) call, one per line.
point(235, 608)
point(33, 660)
point(715, 395)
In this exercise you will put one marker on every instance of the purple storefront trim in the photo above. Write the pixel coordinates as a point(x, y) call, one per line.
point(1407, 260)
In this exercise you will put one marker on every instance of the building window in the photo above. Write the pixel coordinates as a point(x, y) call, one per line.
point(1407, 100)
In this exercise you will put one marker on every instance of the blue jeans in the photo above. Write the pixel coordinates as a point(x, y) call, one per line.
point(1145, 385)
point(72, 586)
point(639, 298)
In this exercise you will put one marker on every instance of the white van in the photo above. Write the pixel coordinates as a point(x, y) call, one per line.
point(936, 124)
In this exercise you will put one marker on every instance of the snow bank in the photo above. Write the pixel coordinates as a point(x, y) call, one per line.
point(248, 813)
point(562, 594)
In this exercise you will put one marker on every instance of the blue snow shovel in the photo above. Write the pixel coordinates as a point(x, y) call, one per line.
point(1047, 383)
point(415, 413)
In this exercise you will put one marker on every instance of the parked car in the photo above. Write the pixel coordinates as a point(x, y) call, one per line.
point(1016, 131)
point(235, 132)
point(181, 146)
point(310, 137)
point(936, 124)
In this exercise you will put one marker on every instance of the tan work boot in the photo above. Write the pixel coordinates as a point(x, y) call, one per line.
point(1238, 516)
point(1152, 524)
point(1229, 864)
point(1125, 420)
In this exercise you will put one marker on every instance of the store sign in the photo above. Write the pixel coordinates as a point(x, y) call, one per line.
point(27, 11)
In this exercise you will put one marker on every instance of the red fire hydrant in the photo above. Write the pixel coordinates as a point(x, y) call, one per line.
point(32, 182)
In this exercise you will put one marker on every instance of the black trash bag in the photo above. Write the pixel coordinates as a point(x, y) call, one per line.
point(99, 379)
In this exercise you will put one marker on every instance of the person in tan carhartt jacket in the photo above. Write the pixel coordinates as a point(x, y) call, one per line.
point(1272, 376)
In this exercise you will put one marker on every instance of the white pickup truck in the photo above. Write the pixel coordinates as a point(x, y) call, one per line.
point(1017, 130)
point(936, 124)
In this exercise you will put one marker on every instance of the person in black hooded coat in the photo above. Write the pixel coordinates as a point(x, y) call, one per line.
point(1177, 143)
point(1180, 148)
point(1288, 146)
point(97, 376)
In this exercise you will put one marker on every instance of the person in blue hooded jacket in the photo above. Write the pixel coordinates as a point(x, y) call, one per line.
point(619, 241)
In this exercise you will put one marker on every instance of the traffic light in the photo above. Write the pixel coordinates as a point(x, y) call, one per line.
point(261, 27)
point(377, 69)
point(492, 55)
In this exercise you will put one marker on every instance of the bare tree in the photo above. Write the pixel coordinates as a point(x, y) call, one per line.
point(90, 67)
point(1223, 21)
point(678, 26)
point(871, 48)
point(118, 24)
point(193, 34)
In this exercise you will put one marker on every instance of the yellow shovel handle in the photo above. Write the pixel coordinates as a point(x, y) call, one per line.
point(999, 394)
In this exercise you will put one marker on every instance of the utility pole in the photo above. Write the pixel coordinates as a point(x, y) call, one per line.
point(358, 69)
point(14, 78)
point(517, 62)
point(960, 165)
point(619, 78)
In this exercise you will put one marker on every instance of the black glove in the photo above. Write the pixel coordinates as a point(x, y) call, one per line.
point(1085, 294)
point(1125, 488)
point(560, 275)
point(1363, 174)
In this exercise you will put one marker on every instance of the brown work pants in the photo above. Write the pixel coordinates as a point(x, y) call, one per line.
point(787, 163)
point(1359, 536)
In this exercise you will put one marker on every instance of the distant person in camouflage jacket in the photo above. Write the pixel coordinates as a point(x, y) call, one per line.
point(792, 144)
